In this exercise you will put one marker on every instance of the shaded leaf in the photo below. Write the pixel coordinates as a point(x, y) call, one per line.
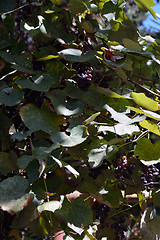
point(5, 123)
point(40, 83)
point(77, 6)
point(128, 43)
point(121, 73)
point(7, 162)
point(7, 6)
point(43, 119)
point(12, 99)
point(13, 197)
point(77, 213)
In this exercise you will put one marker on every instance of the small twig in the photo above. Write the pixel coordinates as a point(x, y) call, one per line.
point(152, 183)
point(146, 89)
point(141, 77)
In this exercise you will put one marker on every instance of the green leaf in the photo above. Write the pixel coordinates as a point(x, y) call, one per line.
point(12, 99)
point(75, 55)
point(91, 118)
point(43, 119)
point(145, 102)
point(65, 107)
point(40, 83)
point(128, 43)
point(152, 127)
point(7, 6)
point(108, 93)
point(13, 195)
point(146, 150)
point(121, 74)
point(109, 7)
point(149, 114)
point(114, 196)
point(41, 226)
point(77, 213)
point(5, 124)
point(7, 162)
point(24, 161)
point(156, 197)
point(24, 217)
point(49, 57)
point(16, 61)
point(146, 6)
point(77, 6)
point(123, 30)
point(77, 135)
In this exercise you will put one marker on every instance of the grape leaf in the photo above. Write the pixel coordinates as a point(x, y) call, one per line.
point(146, 6)
point(145, 102)
point(152, 127)
point(146, 150)
point(43, 119)
point(13, 196)
point(77, 135)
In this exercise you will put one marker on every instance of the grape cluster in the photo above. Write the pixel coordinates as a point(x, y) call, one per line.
point(107, 220)
point(123, 169)
point(84, 79)
point(119, 227)
point(150, 176)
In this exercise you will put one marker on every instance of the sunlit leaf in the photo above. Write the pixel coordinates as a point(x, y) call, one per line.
point(49, 206)
point(146, 6)
point(145, 102)
point(91, 118)
point(152, 127)
point(122, 117)
point(149, 114)
point(119, 129)
point(72, 107)
point(77, 135)
point(97, 153)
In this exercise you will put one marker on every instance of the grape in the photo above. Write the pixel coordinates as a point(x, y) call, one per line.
point(84, 78)
point(149, 176)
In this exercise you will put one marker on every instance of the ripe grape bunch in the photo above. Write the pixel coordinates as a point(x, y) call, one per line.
point(123, 169)
point(84, 79)
point(150, 177)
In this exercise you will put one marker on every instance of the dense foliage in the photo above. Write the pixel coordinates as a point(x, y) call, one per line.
point(79, 121)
